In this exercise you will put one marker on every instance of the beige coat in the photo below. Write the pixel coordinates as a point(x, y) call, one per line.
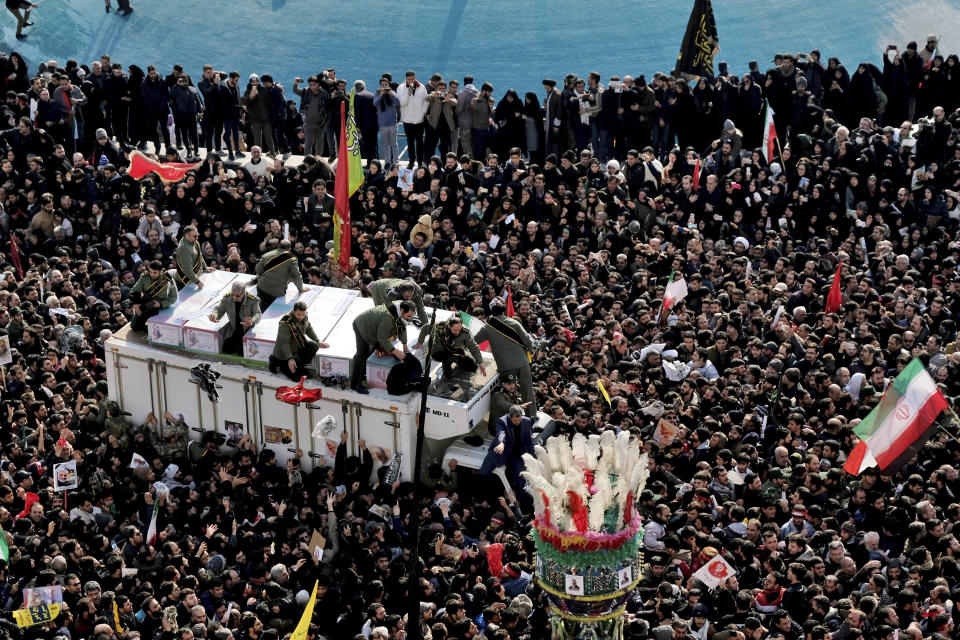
point(424, 224)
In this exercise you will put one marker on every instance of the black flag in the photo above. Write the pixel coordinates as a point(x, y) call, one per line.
point(700, 42)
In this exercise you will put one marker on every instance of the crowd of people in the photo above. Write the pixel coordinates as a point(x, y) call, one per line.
point(580, 200)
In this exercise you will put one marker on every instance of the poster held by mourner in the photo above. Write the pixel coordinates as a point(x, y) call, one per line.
point(65, 476)
point(6, 356)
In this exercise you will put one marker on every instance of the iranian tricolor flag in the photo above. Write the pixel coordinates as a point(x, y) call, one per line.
point(151, 537)
point(900, 424)
point(769, 132)
point(675, 291)
point(473, 325)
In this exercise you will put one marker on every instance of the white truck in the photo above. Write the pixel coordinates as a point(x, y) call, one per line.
point(152, 374)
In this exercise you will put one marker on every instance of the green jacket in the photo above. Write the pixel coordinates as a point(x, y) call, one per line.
point(166, 298)
point(273, 279)
point(249, 308)
point(378, 327)
point(446, 342)
point(15, 330)
point(286, 347)
point(508, 354)
point(501, 401)
point(190, 261)
point(386, 290)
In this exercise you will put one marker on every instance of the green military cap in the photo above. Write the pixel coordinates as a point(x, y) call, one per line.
point(508, 378)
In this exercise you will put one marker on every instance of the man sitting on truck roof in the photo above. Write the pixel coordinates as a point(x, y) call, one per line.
point(296, 344)
point(154, 290)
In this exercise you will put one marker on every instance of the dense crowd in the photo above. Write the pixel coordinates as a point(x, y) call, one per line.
point(581, 200)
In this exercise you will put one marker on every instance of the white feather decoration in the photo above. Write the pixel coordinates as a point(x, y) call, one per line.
point(593, 451)
point(553, 452)
point(533, 465)
point(578, 449)
point(533, 481)
point(566, 454)
point(600, 501)
point(542, 456)
point(607, 458)
point(622, 453)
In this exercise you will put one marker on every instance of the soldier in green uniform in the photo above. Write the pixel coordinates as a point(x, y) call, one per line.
point(172, 442)
point(772, 490)
point(117, 424)
point(379, 328)
point(511, 347)
point(153, 291)
point(15, 327)
point(451, 344)
point(296, 344)
point(504, 398)
point(392, 289)
point(242, 310)
point(189, 257)
point(275, 270)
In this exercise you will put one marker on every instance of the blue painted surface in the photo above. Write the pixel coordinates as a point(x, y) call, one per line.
point(511, 44)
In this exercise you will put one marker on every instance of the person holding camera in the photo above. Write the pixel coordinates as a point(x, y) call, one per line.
point(413, 108)
point(387, 105)
point(315, 109)
point(481, 110)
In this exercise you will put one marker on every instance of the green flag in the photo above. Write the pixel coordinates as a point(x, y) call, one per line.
point(4, 551)
point(355, 177)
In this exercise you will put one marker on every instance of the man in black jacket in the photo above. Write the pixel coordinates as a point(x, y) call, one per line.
point(366, 117)
point(156, 108)
point(118, 99)
point(187, 109)
point(230, 105)
point(212, 123)
point(554, 116)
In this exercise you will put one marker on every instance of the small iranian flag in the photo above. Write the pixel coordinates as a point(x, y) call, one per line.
point(4, 551)
point(675, 291)
point(900, 424)
point(473, 325)
point(769, 132)
point(151, 537)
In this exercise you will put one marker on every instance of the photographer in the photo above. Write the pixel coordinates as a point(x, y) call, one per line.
point(413, 108)
point(388, 107)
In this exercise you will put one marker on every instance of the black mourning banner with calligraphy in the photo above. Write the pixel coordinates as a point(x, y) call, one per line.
point(700, 43)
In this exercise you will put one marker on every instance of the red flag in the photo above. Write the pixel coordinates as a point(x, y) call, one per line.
point(28, 501)
point(141, 165)
point(15, 258)
point(833, 298)
point(696, 175)
point(510, 310)
point(341, 191)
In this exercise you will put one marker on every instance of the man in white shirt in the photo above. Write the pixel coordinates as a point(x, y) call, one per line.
point(413, 107)
point(256, 166)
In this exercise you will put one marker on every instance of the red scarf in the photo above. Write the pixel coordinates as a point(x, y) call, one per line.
point(66, 101)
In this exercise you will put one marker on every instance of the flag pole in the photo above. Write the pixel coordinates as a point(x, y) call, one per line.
point(413, 568)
